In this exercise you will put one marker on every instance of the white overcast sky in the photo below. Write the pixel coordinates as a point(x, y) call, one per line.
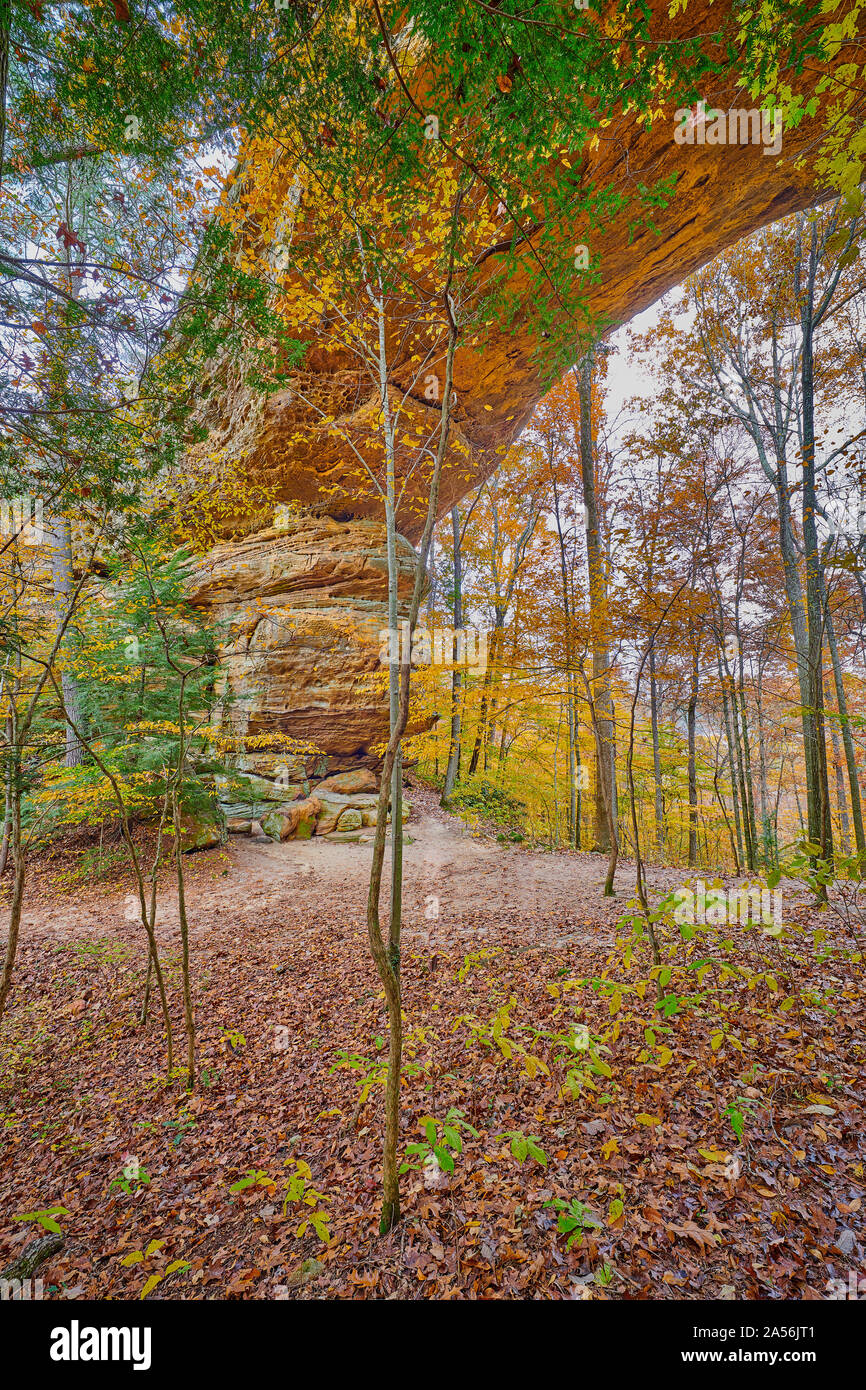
point(626, 379)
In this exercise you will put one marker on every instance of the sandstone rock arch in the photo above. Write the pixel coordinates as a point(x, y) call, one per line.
point(722, 193)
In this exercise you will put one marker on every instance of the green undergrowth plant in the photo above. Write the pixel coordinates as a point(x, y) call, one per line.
point(46, 1218)
point(498, 1033)
point(298, 1192)
point(373, 1070)
point(735, 981)
point(574, 1219)
point(443, 1139)
point(524, 1146)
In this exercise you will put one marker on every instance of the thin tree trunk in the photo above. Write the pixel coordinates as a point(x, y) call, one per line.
point(61, 569)
point(571, 704)
point(456, 674)
point(578, 768)
point(721, 802)
point(732, 765)
point(555, 774)
point(126, 832)
point(657, 762)
point(606, 791)
point(19, 865)
point(20, 729)
point(847, 738)
point(820, 830)
point(691, 721)
point(747, 765)
point(486, 695)
point(744, 800)
point(391, 975)
point(841, 803)
point(188, 1013)
point(7, 821)
point(767, 839)
point(386, 956)
point(605, 770)
point(145, 1003)
point(800, 636)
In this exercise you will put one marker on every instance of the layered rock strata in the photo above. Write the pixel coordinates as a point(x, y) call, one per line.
point(299, 609)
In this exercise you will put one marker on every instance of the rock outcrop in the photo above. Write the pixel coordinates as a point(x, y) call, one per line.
point(203, 828)
point(323, 813)
point(296, 821)
point(299, 609)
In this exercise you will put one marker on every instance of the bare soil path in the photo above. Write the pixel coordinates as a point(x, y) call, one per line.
point(452, 877)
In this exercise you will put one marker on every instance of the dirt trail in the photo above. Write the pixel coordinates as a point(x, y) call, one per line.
point(452, 879)
point(449, 869)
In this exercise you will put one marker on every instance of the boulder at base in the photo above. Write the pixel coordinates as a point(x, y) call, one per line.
point(334, 807)
point(245, 796)
point(368, 813)
point(296, 821)
point(360, 779)
point(201, 829)
point(236, 825)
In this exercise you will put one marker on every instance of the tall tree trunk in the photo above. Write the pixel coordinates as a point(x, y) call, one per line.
point(735, 801)
point(19, 868)
point(800, 636)
point(820, 830)
point(506, 686)
point(571, 702)
point(61, 568)
point(556, 774)
point(481, 732)
point(578, 767)
point(386, 953)
point(605, 763)
point(747, 761)
point(657, 762)
point(767, 837)
point(573, 766)
point(749, 843)
point(609, 805)
point(188, 1012)
point(691, 721)
point(7, 820)
point(391, 976)
point(841, 802)
point(847, 737)
point(456, 675)
point(721, 802)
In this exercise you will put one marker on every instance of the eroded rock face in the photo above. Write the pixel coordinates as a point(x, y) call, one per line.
point(305, 605)
point(300, 609)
